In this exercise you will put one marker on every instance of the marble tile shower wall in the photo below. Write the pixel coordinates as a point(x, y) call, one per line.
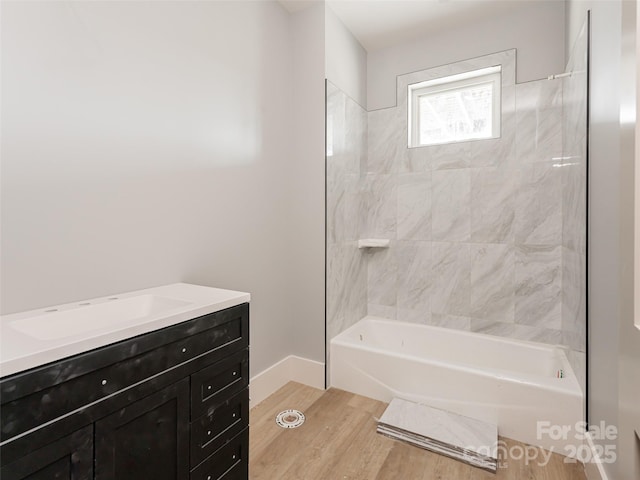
point(476, 228)
point(574, 182)
point(346, 161)
point(574, 170)
point(487, 236)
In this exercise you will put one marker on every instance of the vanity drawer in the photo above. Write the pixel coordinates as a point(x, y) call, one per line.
point(216, 382)
point(224, 421)
point(38, 396)
point(231, 462)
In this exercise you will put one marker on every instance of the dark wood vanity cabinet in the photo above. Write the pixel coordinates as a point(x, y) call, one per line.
point(169, 404)
point(69, 457)
point(146, 439)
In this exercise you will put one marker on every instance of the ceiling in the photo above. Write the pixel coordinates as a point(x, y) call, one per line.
point(379, 24)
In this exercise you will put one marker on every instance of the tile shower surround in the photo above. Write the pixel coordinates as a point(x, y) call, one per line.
point(346, 211)
point(574, 207)
point(486, 236)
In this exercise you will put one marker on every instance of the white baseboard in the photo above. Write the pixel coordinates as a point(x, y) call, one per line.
point(289, 369)
point(594, 469)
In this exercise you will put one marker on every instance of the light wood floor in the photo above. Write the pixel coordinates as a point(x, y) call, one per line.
point(338, 441)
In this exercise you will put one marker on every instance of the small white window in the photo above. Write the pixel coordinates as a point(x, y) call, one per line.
point(456, 108)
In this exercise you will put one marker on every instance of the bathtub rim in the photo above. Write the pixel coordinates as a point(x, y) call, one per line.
point(569, 384)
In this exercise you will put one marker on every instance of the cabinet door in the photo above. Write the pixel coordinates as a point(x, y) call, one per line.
point(146, 439)
point(69, 458)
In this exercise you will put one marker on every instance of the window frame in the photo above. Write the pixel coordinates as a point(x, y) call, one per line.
point(459, 81)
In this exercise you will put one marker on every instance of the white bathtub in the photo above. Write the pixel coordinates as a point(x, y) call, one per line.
point(511, 383)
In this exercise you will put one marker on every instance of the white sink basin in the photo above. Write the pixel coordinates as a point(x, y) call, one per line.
point(33, 338)
point(93, 317)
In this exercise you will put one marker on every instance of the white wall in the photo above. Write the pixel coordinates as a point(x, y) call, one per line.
point(535, 30)
point(604, 217)
point(629, 358)
point(305, 225)
point(145, 143)
point(346, 59)
point(612, 375)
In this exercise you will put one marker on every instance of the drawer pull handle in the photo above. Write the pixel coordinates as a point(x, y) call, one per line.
point(234, 457)
point(184, 350)
point(103, 382)
point(234, 415)
point(208, 477)
point(209, 387)
point(208, 432)
point(235, 373)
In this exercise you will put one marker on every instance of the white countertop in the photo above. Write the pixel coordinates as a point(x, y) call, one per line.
point(36, 337)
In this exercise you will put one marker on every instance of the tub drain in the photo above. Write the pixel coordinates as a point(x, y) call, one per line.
point(290, 419)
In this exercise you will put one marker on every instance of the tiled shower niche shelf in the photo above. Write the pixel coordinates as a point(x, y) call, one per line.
point(373, 243)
